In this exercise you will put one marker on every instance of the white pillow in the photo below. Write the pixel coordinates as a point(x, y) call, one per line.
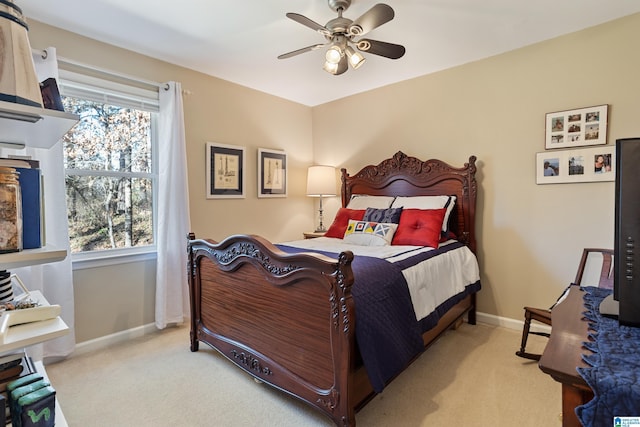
point(367, 233)
point(363, 201)
point(428, 202)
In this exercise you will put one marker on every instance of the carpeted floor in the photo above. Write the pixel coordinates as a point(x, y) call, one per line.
point(470, 377)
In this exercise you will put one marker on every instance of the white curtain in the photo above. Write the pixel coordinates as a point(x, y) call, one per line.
point(54, 280)
point(172, 294)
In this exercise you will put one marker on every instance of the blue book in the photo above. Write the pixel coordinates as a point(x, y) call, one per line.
point(31, 211)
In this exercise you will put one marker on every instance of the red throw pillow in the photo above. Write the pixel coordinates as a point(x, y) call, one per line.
point(419, 227)
point(341, 221)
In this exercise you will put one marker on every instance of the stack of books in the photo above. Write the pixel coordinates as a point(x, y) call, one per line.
point(32, 402)
point(12, 367)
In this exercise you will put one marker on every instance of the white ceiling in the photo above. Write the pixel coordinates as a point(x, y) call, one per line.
point(239, 41)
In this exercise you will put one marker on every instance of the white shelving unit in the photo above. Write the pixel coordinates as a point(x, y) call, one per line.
point(31, 257)
point(21, 336)
point(33, 127)
point(24, 335)
point(25, 126)
point(41, 128)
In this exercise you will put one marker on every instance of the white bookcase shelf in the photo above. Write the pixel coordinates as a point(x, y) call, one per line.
point(31, 257)
point(28, 329)
point(25, 335)
point(21, 336)
point(32, 126)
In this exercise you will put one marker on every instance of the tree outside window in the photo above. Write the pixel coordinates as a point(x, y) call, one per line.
point(109, 176)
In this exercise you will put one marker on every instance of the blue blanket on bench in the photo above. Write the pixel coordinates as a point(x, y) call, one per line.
point(614, 372)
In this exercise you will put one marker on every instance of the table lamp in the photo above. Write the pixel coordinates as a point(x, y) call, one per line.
point(321, 181)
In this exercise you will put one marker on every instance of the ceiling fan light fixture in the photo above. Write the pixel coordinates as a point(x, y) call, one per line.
point(339, 33)
point(330, 67)
point(334, 54)
point(355, 58)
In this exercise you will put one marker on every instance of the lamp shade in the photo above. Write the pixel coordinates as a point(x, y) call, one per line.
point(321, 181)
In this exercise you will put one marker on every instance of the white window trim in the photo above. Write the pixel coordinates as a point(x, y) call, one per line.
point(103, 90)
point(107, 257)
point(112, 174)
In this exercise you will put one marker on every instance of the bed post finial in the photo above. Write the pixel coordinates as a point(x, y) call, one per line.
point(399, 156)
point(397, 160)
point(472, 163)
point(343, 184)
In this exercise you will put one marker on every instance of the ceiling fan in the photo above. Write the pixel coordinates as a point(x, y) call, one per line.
point(343, 34)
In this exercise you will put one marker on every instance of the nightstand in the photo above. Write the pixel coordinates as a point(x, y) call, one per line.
point(313, 234)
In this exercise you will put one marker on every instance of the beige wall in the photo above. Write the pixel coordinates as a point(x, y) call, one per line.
point(529, 236)
point(216, 111)
point(114, 298)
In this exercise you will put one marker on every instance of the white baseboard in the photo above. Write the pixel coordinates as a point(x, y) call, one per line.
point(505, 322)
point(107, 340)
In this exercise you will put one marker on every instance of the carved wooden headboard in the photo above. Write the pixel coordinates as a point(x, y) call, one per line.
point(403, 175)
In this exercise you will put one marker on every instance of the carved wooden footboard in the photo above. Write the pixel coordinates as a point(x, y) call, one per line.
point(285, 319)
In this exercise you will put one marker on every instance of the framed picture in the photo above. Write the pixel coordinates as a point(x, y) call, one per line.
point(225, 171)
point(272, 173)
point(580, 165)
point(576, 128)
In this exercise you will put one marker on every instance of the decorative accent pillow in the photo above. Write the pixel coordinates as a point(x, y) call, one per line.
point(367, 233)
point(428, 202)
point(390, 216)
point(341, 221)
point(420, 227)
point(363, 201)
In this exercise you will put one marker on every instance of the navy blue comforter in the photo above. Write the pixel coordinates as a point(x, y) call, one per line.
point(387, 333)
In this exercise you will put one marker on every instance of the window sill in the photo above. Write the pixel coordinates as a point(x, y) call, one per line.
point(112, 257)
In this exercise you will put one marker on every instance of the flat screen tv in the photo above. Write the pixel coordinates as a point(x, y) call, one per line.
point(625, 301)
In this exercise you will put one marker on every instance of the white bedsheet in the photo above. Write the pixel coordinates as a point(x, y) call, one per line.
point(431, 282)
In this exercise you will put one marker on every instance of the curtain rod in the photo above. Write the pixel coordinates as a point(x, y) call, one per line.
point(43, 54)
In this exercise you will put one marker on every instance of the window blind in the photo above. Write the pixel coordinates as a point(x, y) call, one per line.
point(97, 89)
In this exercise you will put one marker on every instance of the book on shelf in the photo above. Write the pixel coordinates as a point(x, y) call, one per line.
point(26, 368)
point(9, 360)
point(11, 373)
point(51, 98)
point(31, 194)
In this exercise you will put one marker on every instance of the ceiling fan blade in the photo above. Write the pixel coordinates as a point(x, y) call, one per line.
point(373, 18)
point(308, 23)
point(388, 50)
point(299, 51)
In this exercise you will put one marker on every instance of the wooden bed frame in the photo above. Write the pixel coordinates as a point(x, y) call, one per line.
point(289, 319)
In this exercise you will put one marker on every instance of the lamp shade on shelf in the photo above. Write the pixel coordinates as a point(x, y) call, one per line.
point(321, 181)
point(18, 80)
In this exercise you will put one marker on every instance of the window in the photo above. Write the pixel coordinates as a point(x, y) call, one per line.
point(109, 166)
